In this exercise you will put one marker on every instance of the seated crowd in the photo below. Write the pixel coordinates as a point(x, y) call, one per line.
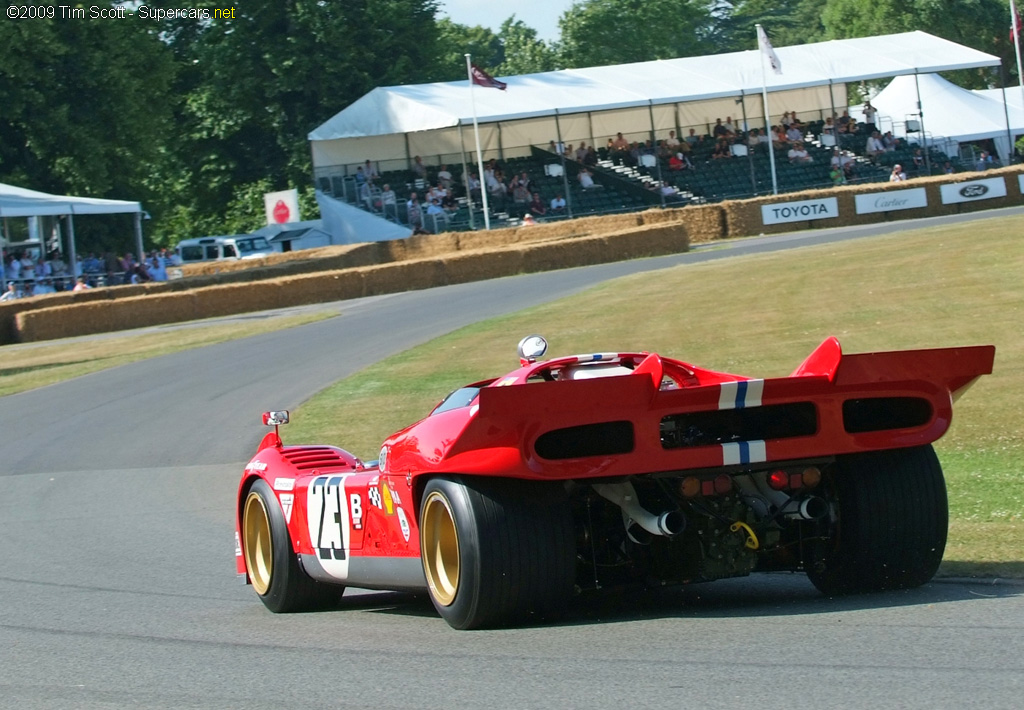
point(27, 273)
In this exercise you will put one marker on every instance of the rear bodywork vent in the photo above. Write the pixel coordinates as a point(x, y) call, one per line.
point(778, 421)
point(885, 413)
point(314, 457)
point(604, 439)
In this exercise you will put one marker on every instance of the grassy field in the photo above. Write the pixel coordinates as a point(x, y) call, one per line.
point(760, 316)
point(25, 367)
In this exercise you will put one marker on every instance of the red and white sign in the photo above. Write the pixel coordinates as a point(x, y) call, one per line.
point(282, 207)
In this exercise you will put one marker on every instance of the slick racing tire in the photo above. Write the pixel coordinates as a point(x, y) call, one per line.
point(273, 566)
point(892, 517)
point(496, 552)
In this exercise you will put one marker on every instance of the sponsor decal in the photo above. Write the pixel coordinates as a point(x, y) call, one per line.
point(802, 211)
point(506, 382)
point(738, 395)
point(356, 509)
point(404, 522)
point(287, 503)
point(374, 496)
point(256, 466)
point(987, 189)
point(327, 511)
point(284, 484)
point(389, 502)
point(891, 201)
point(743, 452)
point(238, 545)
point(382, 459)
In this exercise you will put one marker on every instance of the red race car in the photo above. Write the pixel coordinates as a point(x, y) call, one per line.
point(516, 493)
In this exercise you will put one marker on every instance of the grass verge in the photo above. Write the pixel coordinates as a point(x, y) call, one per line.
point(27, 367)
point(761, 315)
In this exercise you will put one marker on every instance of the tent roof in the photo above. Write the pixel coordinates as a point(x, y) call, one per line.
point(422, 107)
point(21, 202)
point(949, 110)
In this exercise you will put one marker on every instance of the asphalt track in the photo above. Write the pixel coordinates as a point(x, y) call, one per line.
point(117, 585)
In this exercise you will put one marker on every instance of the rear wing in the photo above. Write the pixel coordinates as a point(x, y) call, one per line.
point(832, 404)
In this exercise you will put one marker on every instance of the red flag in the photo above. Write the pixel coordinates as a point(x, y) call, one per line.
point(482, 78)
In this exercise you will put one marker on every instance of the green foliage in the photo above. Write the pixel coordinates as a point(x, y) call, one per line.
point(787, 22)
point(455, 41)
point(981, 24)
point(522, 52)
point(602, 32)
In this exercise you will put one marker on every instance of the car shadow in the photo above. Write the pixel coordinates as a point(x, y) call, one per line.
point(757, 596)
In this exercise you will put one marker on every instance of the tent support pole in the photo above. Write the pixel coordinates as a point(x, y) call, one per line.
point(138, 237)
point(832, 103)
point(1008, 159)
point(565, 178)
point(72, 252)
point(465, 177)
point(924, 136)
point(657, 160)
point(750, 151)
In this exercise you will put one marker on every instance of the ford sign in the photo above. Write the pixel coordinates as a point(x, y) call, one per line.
point(975, 190)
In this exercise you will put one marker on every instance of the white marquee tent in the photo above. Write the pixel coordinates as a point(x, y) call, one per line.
point(951, 113)
point(391, 124)
point(21, 202)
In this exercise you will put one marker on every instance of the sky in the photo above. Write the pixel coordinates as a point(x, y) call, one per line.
point(541, 15)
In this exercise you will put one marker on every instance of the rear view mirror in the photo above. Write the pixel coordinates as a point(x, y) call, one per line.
point(275, 418)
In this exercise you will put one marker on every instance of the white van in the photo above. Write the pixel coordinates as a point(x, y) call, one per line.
point(222, 248)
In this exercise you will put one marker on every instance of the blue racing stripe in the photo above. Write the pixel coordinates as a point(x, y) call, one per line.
point(741, 395)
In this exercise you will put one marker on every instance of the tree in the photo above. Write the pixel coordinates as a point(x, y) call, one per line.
point(787, 22)
point(255, 85)
point(522, 52)
point(454, 41)
point(602, 32)
point(981, 24)
point(84, 104)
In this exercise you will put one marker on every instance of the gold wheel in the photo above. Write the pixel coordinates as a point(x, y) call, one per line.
point(439, 543)
point(259, 548)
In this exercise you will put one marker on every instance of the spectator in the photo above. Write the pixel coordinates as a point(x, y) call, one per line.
point(558, 204)
point(11, 293)
point(793, 134)
point(586, 179)
point(729, 127)
point(81, 285)
point(473, 187)
point(722, 150)
point(693, 139)
point(890, 142)
point(843, 162)
point(370, 172)
point(444, 177)
point(844, 120)
point(590, 159)
point(581, 153)
point(671, 143)
point(947, 168)
point(869, 114)
point(829, 128)
point(874, 146)
point(419, 170)
point(797, 154)
point(719, 130)
point(677, 162)
point(360, 179)
point(528, 220)
point(984, 161)
point(918, 159)
point(415, 215)
point(536, 207)
point(388, 200)
point(897, 174)
point(837, 176)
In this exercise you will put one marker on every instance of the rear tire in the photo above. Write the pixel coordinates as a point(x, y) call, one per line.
point(496, 551)
point(274, 570)
point(892, 522)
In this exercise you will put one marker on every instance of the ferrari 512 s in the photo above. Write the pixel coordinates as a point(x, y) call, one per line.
point(569, 474)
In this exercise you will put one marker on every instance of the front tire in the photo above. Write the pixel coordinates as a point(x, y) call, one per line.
point(282, 585)
point(892, 519)
point(496, 551)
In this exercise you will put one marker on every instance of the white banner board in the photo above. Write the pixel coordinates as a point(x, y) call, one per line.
point(892, 200)
point(282, 207)
point(781, 212)
point(973, 191)
point(1020, 183)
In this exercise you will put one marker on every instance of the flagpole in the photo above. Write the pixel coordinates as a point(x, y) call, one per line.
point(767, 114)
point(479, 155)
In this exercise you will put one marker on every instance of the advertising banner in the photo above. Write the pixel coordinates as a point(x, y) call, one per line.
point(892, 200)
point(781, 212)
point(973, 191)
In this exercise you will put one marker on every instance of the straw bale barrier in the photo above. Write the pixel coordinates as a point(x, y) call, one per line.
point(104, 316)
point(321, 287)
point(483, 265)
point(404, 276)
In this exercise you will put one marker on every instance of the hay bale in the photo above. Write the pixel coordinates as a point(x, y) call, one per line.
point(103, 316)
point(464, 268)
point(323, 287)
point(407, 276)
point(230, 299)
point(647, 241)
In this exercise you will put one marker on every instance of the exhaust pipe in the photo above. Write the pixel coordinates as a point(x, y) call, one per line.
point(668, 524)
point(811, 508)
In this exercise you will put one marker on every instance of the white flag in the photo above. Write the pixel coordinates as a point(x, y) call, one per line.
point(769, 53)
